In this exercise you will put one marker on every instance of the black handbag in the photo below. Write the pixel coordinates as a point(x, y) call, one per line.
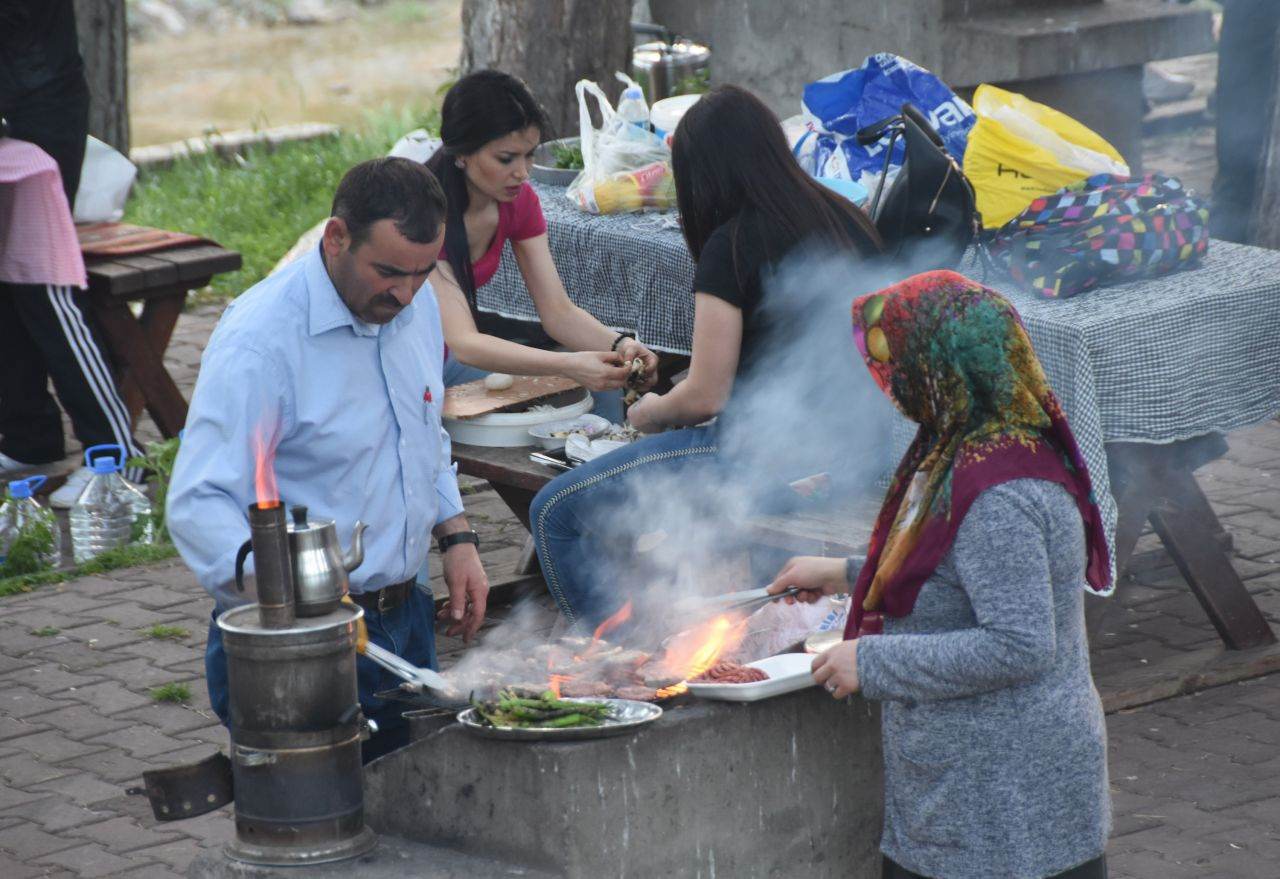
point(929, 215)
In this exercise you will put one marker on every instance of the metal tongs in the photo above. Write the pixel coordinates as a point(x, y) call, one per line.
point(748, 598)
point(417, 678)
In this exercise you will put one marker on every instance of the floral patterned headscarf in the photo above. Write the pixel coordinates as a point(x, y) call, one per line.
point(954, 357)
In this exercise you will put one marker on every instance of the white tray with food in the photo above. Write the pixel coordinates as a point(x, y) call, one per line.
point(785, 673)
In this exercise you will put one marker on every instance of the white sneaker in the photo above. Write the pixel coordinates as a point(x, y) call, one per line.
point(9, 465)
point(65, 497)
point(1162, 87)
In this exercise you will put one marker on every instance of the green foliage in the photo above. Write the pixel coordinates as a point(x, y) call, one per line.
point(161, 632)
point(27, 553)
point(158, 461)
point(46, 631)
point(261, 202)
point(697, 83)
point(171, 693)
point(120, 557)
point(567, 156)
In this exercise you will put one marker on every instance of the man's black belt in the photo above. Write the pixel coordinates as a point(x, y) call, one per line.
point(388, 598)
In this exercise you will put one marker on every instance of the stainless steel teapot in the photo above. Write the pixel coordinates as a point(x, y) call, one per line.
point(320, 566)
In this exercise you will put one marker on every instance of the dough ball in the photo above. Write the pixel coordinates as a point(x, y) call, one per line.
point(497, 381)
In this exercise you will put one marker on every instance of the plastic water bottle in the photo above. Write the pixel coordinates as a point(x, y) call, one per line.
point(109, 512)
point(20, 512)
point(633, 109)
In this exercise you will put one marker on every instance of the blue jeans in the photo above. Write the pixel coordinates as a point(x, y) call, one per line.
point(408, 631)
point(575, 532)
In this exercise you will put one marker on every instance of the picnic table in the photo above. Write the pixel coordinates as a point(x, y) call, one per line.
point(1142, 369)
point(137, 342)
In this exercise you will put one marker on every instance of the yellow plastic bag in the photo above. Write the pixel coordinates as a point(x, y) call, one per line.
point(1019, 150)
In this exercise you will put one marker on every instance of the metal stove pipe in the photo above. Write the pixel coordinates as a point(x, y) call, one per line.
point(273, 566)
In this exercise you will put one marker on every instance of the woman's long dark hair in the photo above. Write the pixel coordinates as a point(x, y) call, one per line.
point(729, 154)
point(481, 107)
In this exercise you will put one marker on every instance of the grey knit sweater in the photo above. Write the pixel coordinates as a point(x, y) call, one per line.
point(994, 740)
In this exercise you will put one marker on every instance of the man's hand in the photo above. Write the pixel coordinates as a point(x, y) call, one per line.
point(468, 590)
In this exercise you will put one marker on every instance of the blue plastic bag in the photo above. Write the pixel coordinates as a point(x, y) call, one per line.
point(837, 106)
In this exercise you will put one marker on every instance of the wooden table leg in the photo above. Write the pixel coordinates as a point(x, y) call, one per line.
point(1151, 484)
point(1217, 586)
point(136, 353)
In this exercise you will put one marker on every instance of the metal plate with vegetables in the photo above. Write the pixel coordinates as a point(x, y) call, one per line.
point(520, 716)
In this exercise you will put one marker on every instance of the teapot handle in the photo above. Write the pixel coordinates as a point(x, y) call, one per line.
point(241, 555)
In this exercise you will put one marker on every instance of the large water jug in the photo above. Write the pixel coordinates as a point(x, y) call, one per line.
point(21, 515)
point(109, 512)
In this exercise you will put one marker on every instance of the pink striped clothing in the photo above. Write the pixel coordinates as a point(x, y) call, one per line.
point(37, 236)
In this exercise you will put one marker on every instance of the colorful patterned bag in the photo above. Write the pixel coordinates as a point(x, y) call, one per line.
point(1104, 230)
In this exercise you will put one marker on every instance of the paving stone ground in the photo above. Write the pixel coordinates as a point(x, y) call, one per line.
point(1195, 779)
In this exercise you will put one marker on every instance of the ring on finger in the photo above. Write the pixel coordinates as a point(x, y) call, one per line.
point(831, 686)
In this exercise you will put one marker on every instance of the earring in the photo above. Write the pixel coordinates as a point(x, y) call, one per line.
point(458, 163)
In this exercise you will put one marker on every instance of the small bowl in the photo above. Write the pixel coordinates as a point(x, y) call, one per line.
point(588, 425)
point(544, 163)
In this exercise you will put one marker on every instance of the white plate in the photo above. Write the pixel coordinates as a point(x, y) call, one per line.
point(587, 425)
point(786, 671)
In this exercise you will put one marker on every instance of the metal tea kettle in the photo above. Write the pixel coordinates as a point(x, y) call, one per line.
point(319, 565)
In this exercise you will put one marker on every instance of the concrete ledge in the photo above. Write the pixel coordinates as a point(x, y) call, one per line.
point(787, 786)
point(228, 144)
point(1083, 38)
point(391, 859)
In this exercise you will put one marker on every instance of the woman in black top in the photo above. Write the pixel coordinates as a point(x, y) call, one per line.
point(745, 205)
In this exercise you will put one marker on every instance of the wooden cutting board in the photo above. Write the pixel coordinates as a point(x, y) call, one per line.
point(473, 398)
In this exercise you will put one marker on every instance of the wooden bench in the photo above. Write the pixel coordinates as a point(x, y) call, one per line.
point(137, 344)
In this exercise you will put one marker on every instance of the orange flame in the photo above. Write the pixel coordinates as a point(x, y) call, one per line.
point(623, 614)
point(556, 681)
point(264, 471)
point(693, 652)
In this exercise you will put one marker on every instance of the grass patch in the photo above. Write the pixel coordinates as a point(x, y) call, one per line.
point(261, 202)
point(161, 632)
point(120, 557)
point(171, 693)
point(46, 631)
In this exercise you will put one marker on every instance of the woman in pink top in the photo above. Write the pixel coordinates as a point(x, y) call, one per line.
point(490, 126)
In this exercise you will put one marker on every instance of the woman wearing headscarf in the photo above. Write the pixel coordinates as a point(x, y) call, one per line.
point(967, 617)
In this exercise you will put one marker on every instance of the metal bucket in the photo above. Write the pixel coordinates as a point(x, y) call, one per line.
point(295, 738)
point(661, 68)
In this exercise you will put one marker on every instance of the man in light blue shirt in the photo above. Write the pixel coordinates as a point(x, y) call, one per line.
point(335, 362)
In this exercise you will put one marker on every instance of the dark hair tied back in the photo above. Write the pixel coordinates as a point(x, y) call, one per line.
point(480, 107)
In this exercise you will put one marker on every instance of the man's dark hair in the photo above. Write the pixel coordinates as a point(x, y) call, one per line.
point(390, 189)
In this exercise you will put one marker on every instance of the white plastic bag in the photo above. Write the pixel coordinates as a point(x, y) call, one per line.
point(105, 180)
point(417, 145)
point(624, 167)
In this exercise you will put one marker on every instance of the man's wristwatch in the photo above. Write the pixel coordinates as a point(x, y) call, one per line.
point(458, 537)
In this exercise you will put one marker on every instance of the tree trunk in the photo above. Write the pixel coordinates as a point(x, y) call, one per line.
point(104, 43)
point(550, 44)
point(1264, 224)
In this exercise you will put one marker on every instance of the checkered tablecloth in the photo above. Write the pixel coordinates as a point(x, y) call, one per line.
point(632, 271)
point(1153, 361)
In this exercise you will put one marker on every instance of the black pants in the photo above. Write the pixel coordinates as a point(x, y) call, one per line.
point(1246, 65)
point(45, 333)
point(1095, 869)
